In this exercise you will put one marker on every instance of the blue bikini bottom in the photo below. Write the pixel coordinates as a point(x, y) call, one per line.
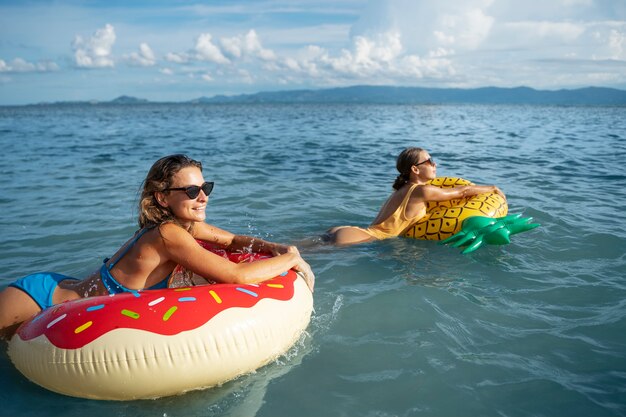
point(40, 286)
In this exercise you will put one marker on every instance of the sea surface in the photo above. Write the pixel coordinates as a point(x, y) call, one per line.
point(401, 327)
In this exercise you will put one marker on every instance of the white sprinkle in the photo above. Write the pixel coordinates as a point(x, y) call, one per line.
point(155, 302)
point(55, 321)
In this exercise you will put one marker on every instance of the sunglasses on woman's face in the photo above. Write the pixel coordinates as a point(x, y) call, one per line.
point(430, 161)
point(193, 191)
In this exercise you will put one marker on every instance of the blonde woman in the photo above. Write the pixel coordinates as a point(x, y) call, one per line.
point(171, 219)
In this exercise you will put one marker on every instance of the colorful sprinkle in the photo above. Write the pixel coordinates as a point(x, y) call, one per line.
point(184, 299)
point(94, 308)
point(247, 292)
point(216, 297)
point(169, 313)
point(83, 327)
point(284, 274)
point(130, 314)
point(182, 289)
point(55, 321)
point(155, 302)
point(276, 285)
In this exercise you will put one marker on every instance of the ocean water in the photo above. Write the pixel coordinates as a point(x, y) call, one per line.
point(401, 327)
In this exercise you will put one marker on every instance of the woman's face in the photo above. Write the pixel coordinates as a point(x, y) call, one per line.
point(186, 209)
point(426, 166)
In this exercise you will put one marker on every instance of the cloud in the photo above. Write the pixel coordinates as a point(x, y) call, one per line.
point(95, 52)
point(206, 50)
point(247, 45)
point(177, 58)
point(617, 45)
point(465, 30)
point(21, 65)
point(144, 58)
point(224, 51)
point(378, 59)
point(540, 32)
point(427, 26)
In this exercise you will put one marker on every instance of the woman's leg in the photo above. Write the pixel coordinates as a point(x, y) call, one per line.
point(348, 235)
point(15, 307)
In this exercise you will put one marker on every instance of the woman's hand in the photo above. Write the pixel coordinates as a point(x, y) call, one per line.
point(278, 249)
point(499, 192)
point(305, 269)
point(301, 266)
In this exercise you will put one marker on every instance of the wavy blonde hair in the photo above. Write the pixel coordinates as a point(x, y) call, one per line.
point(159, 178)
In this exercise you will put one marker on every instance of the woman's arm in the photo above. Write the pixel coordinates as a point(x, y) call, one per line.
point(184, 250)
point(228, 240)
point(432, 193)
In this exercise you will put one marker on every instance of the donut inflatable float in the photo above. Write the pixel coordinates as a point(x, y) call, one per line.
point(155, 343)
point(445, 218)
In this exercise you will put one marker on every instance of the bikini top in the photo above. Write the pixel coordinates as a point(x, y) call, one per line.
point(112, 285)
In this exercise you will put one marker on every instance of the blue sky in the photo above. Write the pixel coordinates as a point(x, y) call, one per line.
point(181, 50)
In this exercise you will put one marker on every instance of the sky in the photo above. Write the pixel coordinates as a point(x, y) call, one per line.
point(179, 50)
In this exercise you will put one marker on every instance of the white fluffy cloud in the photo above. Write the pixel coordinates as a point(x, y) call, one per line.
point(375, 59)
point(206, 50)
point(381, 57)
point(144, 58)
point(21, 65)
point(226, 50)
point(95, 52)
point(247, 45)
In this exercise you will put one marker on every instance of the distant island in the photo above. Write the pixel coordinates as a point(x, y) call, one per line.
point(420, 95)
point(589, 96)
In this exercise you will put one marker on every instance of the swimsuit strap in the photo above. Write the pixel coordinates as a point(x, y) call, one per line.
point(112, 285)
point(405, 200)
point(127, 248)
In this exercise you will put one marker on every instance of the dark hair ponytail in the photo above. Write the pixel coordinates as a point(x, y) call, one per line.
point(406, 159)
point(400, 181)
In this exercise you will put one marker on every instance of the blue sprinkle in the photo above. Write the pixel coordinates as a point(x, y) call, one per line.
point(183, 299)
point(284, 274)
point(135, 293)
point(247, 292)
point(94, 308)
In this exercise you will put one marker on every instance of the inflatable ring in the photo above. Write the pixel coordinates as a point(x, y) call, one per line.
point(445, 218)
point(155, 343)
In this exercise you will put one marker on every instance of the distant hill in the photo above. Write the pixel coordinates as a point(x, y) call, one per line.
point(590, 96)
point(128, 100)
point(420, 95)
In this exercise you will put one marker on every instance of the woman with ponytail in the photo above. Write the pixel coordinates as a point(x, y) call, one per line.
point(407, 204)
point(171, 221)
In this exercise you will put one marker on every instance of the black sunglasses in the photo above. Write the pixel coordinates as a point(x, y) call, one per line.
point(193, 191)
point(430, 160)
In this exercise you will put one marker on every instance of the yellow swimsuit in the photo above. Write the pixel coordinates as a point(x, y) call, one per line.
point(395, 224)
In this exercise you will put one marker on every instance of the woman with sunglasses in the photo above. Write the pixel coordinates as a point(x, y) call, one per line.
point(408, 203)
point(171, 219)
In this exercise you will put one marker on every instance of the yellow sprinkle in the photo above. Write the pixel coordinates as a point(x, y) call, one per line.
point(182, 289)
point(169, 313)
point(216, 297)
point(130, 314)
point(276, 285)
point(83, 327)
